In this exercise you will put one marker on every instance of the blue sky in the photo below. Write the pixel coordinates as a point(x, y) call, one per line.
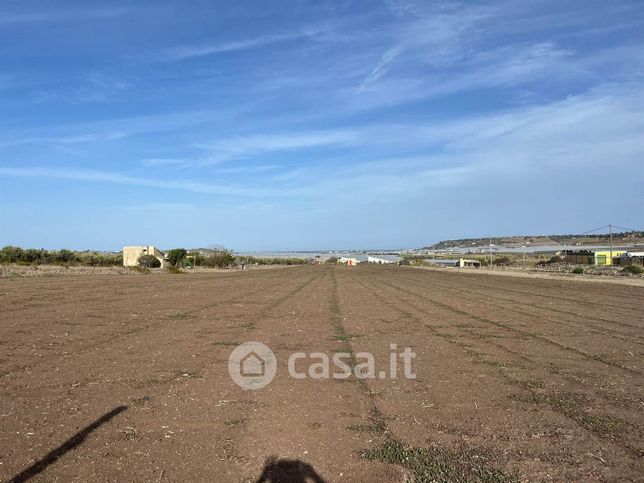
point(317, 124)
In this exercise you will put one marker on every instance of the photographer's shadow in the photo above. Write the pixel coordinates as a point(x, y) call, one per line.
point(288, 471)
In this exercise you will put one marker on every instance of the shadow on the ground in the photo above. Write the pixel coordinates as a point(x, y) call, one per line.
point(288, 471)
point(53, 456)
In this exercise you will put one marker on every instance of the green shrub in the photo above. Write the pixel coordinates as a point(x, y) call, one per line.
point(65, 256)
point(554, 259)
point(246, 260)
point(174, 270)
point(503, 261)
point(149, 261)
point(176, 256)
point(633, 269)
point(93, 259)
point(11, 254)
point(218, 259)
point(578, 270)
point(39, 256)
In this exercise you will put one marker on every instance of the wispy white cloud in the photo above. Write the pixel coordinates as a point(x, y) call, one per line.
point(248, 169)
point(257, 144)
point(435, 35)
point(436, 49)
point(254, 146)
point(185, 52)
point(190, 51)
point(162, 207)
point(520, 64)
point(163, 162)
point(62, 15)
point(570, 139)
point(111, 129)
point(98, 176)
point(510, 66)
point(95, 86)
point(570, 130)
point(381, 67)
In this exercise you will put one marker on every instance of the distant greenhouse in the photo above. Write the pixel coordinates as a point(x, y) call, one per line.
point(353, 260)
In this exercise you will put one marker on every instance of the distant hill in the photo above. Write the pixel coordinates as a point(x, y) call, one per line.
point(540, 240)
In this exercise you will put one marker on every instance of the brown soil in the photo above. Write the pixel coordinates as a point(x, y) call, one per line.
point(125, 378)
point(615, 277)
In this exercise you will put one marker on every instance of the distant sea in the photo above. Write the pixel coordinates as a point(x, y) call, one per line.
point(300, 254)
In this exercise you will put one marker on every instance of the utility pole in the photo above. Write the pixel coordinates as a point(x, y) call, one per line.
point(490, 247)
point(610, 242)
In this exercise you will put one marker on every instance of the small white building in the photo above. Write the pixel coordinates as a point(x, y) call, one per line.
point(349, 260)
point(459, 262)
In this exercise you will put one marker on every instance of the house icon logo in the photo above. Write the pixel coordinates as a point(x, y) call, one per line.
point(252, 365)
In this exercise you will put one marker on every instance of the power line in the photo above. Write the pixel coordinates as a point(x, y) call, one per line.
point(606, 226)
point(627, 229)
point(591, 231)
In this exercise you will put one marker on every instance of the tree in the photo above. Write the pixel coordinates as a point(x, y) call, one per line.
point(65, 256)
point(217, 259)
point(149, 261)
point(11, 254)
point(176, 255)
point(222, 259)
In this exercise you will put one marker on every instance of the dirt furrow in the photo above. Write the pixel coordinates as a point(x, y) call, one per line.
point(493, 300)
point(524, 332)
point(472, 288)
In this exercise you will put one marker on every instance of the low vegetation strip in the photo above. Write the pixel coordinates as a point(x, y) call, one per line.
point(177, 257)
point(439, 465)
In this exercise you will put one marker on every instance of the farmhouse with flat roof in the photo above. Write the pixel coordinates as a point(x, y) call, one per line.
point(132, 254)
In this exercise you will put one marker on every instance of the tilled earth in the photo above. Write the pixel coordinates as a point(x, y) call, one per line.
point(126, 378)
